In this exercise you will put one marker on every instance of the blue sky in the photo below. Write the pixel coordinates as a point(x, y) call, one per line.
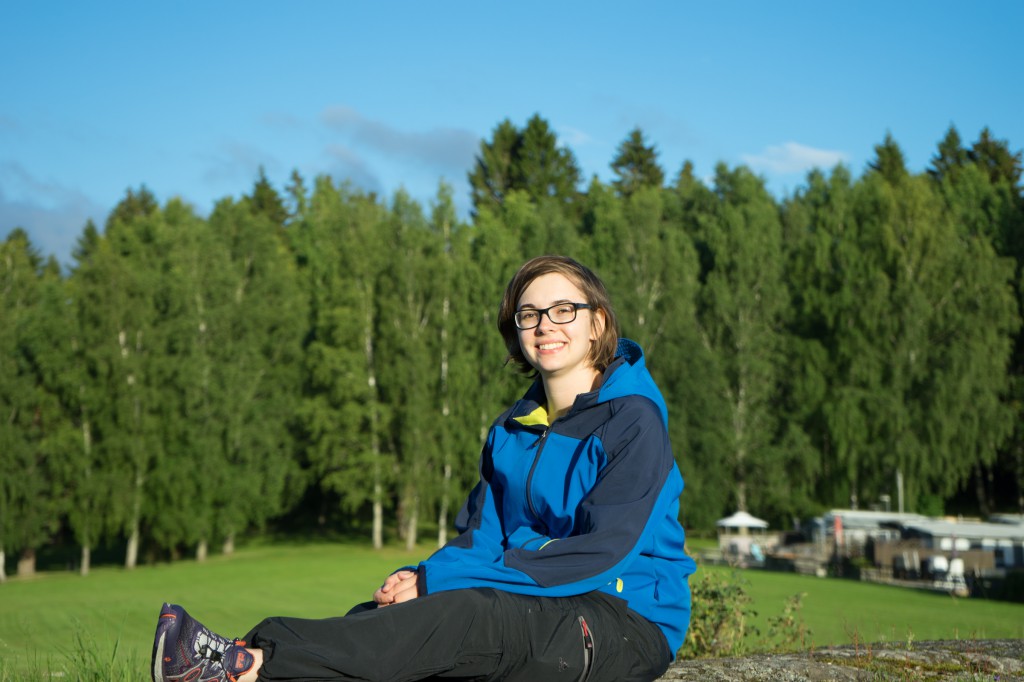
point(191, 98)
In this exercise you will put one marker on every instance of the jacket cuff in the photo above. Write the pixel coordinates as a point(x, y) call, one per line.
point(421, 581)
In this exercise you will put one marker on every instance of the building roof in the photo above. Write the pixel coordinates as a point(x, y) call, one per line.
point(741, 519)
point(858, 518)
point(973, 530)
point(1007, 518)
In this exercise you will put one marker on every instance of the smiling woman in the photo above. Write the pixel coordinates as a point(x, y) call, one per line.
point(556, 341)
point(569, 563)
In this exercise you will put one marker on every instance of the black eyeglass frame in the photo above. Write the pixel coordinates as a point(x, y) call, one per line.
point(541, 312)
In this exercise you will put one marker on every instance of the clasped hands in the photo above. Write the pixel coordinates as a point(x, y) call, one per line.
point(400, 586)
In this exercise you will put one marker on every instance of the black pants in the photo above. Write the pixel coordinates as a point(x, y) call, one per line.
point(476, 634)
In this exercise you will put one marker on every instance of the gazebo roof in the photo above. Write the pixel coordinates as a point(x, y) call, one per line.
point(741, 519)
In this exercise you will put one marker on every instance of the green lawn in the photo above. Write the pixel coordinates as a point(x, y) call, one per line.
point(844, 611)
point(110, 615)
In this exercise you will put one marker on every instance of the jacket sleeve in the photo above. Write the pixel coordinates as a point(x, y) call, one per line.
point(480, 535)
point(633, 493)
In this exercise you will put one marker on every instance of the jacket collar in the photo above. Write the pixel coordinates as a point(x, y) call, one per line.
point(530, 411)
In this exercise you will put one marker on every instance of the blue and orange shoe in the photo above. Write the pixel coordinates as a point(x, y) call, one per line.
point(186, 651)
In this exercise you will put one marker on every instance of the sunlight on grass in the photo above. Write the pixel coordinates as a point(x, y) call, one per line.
point(103, 624)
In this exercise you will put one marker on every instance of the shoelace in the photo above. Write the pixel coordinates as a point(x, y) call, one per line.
point(211, 646)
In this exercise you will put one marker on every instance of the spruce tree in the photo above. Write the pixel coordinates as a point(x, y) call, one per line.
point(636, 165)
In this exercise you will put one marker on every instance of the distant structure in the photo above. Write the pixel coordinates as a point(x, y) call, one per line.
point(743, 539)
point(953, 555)
point(939, 553)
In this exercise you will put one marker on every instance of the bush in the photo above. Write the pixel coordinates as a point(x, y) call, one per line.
point(719, 616)
point(720, 620)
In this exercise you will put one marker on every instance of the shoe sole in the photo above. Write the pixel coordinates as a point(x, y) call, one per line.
point(168, 620)
point(158, 659)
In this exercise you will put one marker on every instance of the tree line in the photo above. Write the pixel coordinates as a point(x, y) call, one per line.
point(320, 354)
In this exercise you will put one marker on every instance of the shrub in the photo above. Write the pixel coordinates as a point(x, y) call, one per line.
point(719, 616)
point(720, 620)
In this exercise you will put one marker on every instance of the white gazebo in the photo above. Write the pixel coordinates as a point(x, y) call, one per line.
point(742, 536)
point(740, 520)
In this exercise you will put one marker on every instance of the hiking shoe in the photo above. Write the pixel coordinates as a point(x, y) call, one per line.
point(185, 651)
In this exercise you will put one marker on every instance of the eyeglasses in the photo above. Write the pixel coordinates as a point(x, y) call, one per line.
point(560, 313)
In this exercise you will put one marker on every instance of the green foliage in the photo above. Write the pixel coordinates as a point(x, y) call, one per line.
point(636, 165)
point(741, 307)
point(720, 616)
point(723, 621)
point(320, 353)
point(787, 631)
point(30, 416)
point(527, 160)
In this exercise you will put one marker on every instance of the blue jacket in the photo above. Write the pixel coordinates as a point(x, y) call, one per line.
point(589, 503)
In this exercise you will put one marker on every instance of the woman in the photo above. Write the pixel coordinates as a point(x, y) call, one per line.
point(569, 563)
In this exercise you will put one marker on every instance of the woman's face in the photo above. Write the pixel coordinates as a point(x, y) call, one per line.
point(557, 349)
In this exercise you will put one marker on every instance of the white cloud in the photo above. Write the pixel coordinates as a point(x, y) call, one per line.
point(351, 166)
point(446, 149)
point(235, 162)
point(793, 157)
point(52, 215)
point(572, 137)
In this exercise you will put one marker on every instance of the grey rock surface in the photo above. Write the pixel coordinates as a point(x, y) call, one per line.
point(941, 660)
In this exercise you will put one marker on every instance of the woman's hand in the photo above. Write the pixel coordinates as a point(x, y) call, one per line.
point(400, 586)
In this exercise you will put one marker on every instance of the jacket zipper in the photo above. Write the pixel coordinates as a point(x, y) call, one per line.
point(533, 469)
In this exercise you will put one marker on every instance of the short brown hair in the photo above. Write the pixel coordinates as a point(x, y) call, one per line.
point(602, 352)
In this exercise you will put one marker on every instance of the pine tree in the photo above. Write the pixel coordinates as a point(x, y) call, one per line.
point(889, 161)
point(265, 201)
point(529, 160)
point(996, 159)
point(492, 176)
point(951, 157)
point(636, 165)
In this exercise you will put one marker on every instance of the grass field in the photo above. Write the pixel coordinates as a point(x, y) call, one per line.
point(57, 621)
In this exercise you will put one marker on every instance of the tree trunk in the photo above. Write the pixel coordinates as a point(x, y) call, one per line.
point(446, 454)
point(27, 563)
point(229, 545)
point(3, 565)
point(87, 449)
point(1019, 456)
point(378, 512)
point(202, 550)
point(83, 570)
point(442, 515)
point(131, 555)
point(412, 526)
point(739, 424)
point(371, 380)
point(979, 490)
point(131, 558)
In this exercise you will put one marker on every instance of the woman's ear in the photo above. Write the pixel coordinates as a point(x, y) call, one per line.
point(597, 324)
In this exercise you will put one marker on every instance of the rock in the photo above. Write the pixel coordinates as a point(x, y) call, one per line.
point(1001, 659)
